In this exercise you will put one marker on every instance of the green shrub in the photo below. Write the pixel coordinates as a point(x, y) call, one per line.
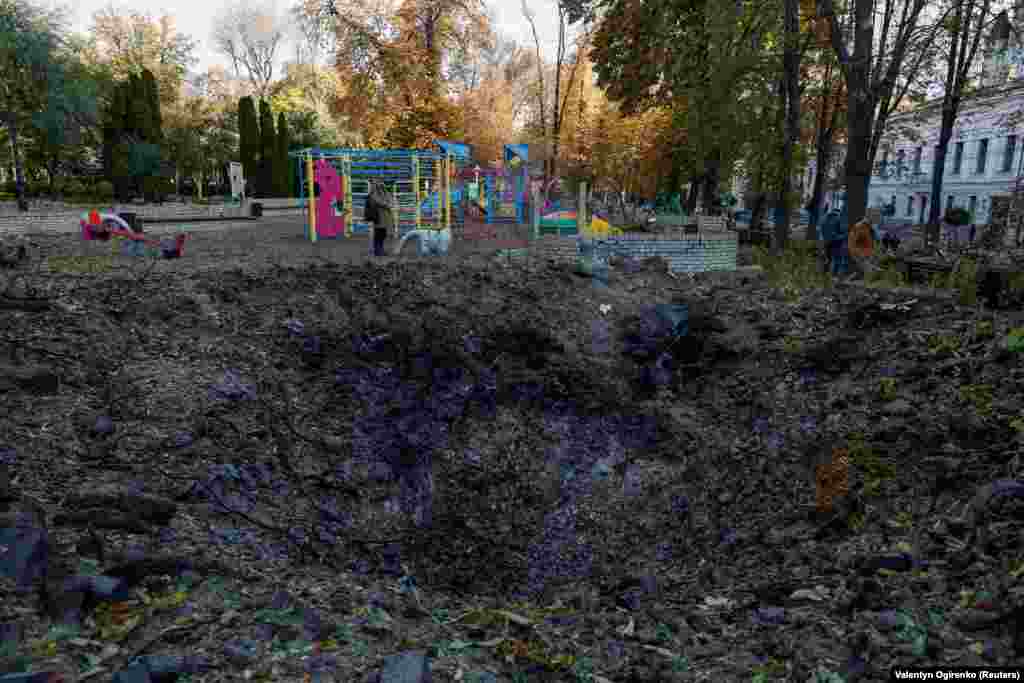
point(964, 279)
point(796, 270)
point(75, 188)
point(10, 187)
point(104, 190)
point(154, 187)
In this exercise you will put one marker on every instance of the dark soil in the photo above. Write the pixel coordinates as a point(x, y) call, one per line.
point(287, 462)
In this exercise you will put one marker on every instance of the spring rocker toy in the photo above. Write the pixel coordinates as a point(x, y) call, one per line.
point(104, 227)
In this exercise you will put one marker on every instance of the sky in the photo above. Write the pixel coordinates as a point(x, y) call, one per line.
point(194, 18)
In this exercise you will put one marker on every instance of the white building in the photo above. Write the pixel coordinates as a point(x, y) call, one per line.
point(984, 156)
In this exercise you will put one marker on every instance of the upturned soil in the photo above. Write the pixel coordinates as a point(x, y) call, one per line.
point(293, 462)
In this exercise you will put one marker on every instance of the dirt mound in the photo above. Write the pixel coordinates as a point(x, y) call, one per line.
point(288, 466)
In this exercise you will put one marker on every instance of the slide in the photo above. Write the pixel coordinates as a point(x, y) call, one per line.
point(565, 223)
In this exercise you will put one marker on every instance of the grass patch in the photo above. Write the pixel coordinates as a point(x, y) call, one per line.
point(963, 279)
point(794, 271)
point(888, 274)
point(80, 265)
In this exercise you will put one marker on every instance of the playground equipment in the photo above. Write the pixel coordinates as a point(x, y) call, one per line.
point(431, 189)
point(567, 223)
point(421, 183)
point(499, 194)
point(104, 227)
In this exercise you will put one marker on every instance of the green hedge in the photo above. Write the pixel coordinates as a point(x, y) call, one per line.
point(71, 189)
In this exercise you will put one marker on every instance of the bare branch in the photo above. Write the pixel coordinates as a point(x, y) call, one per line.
point(250, 36)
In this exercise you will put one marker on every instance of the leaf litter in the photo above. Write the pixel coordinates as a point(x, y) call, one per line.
point(304, 466)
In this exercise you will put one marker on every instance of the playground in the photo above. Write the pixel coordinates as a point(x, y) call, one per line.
point(440, 196)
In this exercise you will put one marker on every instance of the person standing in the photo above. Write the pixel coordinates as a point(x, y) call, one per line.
point(833, 234)
point(378, 213)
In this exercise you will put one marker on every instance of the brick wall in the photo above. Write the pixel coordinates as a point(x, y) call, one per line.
point(692, 254)
point(711, 223)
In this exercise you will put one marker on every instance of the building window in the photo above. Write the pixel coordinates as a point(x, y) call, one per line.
point(949, 202)
point(900, 156)
point(917, 159)
point(892, 206)
point(971, 206)
point(910, 206)
point(1011, 148)
point(884, 170)
point(958, 158)
point(982, 155)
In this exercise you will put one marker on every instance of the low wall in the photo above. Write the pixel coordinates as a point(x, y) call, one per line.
point(68, 224)
point(685, 254)
point(282, 202)
point(45, 210)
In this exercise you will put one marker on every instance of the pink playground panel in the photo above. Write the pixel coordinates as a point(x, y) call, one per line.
point(328, 222)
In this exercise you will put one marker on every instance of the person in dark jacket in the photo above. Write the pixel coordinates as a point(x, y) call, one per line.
point(378, 212)
point(833, 233)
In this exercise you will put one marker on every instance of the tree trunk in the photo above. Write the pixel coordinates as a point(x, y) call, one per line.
point(858, 152)
point(791, 68)
point(757, 214)
point(824, 157)
point(19, 172)
point(823, 150)
point(711, 178)
point(945, 135)
point(691, 199)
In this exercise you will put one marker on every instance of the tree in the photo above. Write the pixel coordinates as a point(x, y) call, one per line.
point(283, 165)
point(151, 94)
point(62, 131)
point(393, 65)
point(552, 133)
point(791, 88)
point(628, 151)
point(201, 128)
point(829, 113)
point(34, 90)
point(127, 43)
point(871, 83)
point(186, 125)
point(268, 148)
point(964, 27)
point(249, 140)
point(250, 35)
point(132, 134)
point(315, 29)
point(701, 60)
